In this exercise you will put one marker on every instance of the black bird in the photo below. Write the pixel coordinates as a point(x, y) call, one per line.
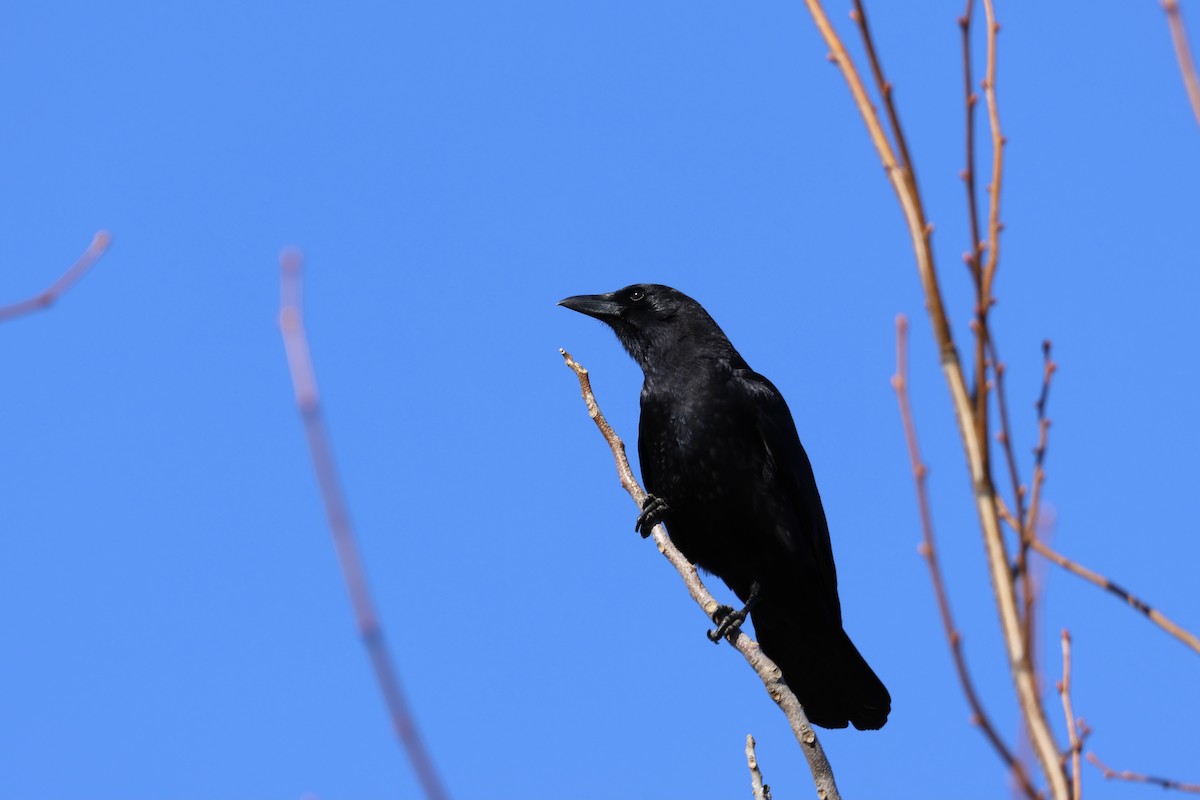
point(731, 481)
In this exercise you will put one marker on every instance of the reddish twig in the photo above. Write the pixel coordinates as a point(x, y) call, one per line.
point(929, 551)
point(46, 298)
point(766, 669)
point(1137, 777)
point(970, 101)
point(998, 141)
point(304, 381)
point(1064, 690)
point(1184, 54)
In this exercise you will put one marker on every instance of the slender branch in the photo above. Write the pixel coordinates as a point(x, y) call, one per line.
point(1029, 522)
point(998, 141)
point(1104, 583)
point(859, 15)
point(767, 671)
point(1137, 777)
point(969, 429)
point(761, 790)
point(304, 381)
point(46, 298)
point(972, 258)
point(928, 549)
point(1039, 452)
point(1184, 54)
point(1064, 690)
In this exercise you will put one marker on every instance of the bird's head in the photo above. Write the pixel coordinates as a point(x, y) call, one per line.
point(655, 323)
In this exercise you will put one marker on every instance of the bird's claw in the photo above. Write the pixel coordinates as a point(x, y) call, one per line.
point(654, 509)
point(729, 621)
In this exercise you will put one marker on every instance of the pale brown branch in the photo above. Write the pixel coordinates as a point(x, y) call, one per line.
point(972, 431)
point(766, 669)
point(929, 551)
point(304, 382)
point(761, 790)
point(1183, 52)
point(46, 298)
point(1137, 777)
point(1104, 583)
point(1064, 690)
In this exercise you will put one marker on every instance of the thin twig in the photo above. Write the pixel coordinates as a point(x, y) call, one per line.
point(928, 549)
point(972, 258)
point(1029, 526)
point(1064, 690)
point(767, 671)
point(1005, 438)
point(1137, 777)
point(1184, 54)
point(1104, 583)
point(969, 428)
point(859, 15)
point(46, 298)
point(304, 381)
point(1039, 452)
point(761, 790)
point(998, 141)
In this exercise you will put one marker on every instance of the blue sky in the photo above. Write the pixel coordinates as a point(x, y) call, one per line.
point(173, 617)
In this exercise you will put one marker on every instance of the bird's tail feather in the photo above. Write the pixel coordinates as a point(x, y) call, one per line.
point(822, 666)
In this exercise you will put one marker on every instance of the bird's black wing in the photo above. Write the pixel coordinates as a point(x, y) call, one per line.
point(800, 523)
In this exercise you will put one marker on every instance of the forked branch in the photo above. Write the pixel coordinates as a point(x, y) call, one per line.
point(929, 551)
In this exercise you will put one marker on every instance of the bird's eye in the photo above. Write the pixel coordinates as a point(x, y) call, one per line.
point(637, 294)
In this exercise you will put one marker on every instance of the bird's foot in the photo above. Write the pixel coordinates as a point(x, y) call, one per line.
point(729, 620)
point(654, 510)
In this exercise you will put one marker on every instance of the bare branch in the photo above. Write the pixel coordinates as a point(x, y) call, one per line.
point(929, 551)
point(1104, 583)
point(304, 381)
point(972, 430)
point(989, 92)
point(1137, 777)
point(1064, 690)
point(761, 790)
point(767, 671)
point(46, 298)
point(972, 258)
point(1184, 53)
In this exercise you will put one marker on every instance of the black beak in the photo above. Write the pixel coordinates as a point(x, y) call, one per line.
point(601, 306)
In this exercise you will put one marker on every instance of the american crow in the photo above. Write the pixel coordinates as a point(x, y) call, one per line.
point(730, 479)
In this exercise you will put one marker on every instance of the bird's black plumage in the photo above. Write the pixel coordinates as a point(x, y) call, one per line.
point(717, 443)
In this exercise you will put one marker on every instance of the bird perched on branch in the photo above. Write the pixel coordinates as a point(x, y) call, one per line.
point(728, 476)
